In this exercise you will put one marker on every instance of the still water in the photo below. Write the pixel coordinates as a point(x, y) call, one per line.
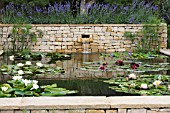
point(86, 82)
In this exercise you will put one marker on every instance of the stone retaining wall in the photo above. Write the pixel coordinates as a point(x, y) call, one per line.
point(70, 37)
point(84, 104)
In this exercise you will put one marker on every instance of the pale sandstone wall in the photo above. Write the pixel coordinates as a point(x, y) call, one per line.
point(68, 37)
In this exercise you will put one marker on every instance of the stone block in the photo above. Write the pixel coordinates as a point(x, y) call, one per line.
point(98, 29)
point(39, 111)
point(51, 32)
point(115, 29)
point(121, 111)
point(54, 28)
point(47, 28)
point(56, 111)
point(109, 29)
point(7, 111)
point(52, 47)
point(121, 29)
point(111, 111)
point(75, 111)
point(74, 30)
point(95, 111)
point(57, 47)
point(138, 111)
point(104, 29)
point(110, 50)
point(22, 111)
point(57, 43)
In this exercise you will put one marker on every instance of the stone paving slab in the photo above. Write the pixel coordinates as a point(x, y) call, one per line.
point(77, 102)
point(10, 103)
point(85, 102)
point(140, 101)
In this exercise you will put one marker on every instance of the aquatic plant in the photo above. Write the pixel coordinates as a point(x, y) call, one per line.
point(30, 69)
point(141, 84)
point(19, 87)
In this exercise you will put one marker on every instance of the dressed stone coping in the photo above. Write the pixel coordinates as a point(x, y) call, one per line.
point(86, 104)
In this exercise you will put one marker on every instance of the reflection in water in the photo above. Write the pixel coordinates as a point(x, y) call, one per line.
point(76, 79)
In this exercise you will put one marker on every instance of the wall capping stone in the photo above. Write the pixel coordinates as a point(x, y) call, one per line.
point(86, 103)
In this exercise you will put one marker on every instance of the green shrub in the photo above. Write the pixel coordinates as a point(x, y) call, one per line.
point(166, 10)
point(169, 36)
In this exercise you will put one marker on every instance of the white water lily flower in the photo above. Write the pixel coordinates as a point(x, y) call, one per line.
point(133, 85)
point(169, 87)
point(26, 82)
point(20, 72)
point(20, 64)
point(157, 82)
point(28, 63)
point(35, 81)
point(143, 86)
point(4, 88)
point(11, 58)
point(35, 86)
point(39, 64)
point(17, 77)
point(132, 75)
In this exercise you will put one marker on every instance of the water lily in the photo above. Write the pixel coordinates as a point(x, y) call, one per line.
point(20, 64)
point(132, 75)
point(134, 65)
point(133, 85)
point(35, 86)
point(157, 82)
point(17, 77)
point(28, 63)
point(39, 64)
point(169, 87)
point(26, 82)
point(11, 58)
point(35, 81)
point(144, 86)
point(20, 72)
point(4, 88)
point(102, 67)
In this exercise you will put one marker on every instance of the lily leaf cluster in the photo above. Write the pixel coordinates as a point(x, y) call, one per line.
point(29, 69)
point(132, 55)
point(141, 84)
point(19, 87)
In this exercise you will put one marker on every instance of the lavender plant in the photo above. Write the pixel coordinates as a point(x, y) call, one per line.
point(59, 13)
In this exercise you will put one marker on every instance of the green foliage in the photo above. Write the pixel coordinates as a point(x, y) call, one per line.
point(149, 41)
point(141, 84)
point(19, 87)
point(22, 38)
point(168, 33)
point(62, 13)
point(166, 10)
point(58, 56)
point(130, 36)
point(29, 69)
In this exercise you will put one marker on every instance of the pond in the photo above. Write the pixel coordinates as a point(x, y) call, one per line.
point(83, 73)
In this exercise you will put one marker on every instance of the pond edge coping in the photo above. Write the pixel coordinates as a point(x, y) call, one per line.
point(85, 102)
